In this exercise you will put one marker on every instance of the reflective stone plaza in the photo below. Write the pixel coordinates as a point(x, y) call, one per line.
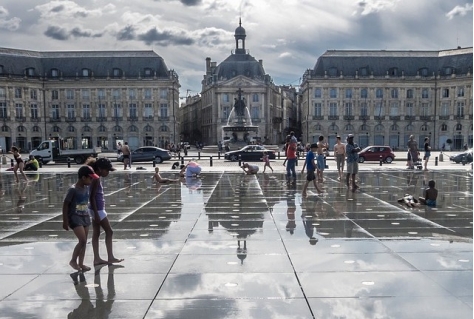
point(236, 246)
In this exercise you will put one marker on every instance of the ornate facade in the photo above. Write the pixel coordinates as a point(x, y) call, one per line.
point(91, 98)
point(383, 97)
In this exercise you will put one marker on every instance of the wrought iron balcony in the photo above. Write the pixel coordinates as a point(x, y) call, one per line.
point(36, 119)
point(101, 119)
point(381, 117)
point(20, 118)
point(163, 118)
point(70, 119)
point(148, 118)
point(318, 117)
point(348, 117)
point(395, 117)
point(5, 118)
point(55, 119)
point(425, 118)
point(132, 118)
point(117, 118)
point(364, 117)
point(276, 120)
point(86, 119)
point(459, 117)
point(444, 117)
point(333, 117)
point(410, 117)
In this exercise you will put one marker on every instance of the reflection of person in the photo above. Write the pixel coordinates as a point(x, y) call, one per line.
point(352, 153)
point(19, 163)
point(340, 157)
point(193, 169)
point(310, 165)
point(20, 204)
point(157, 177)
point(32, 164)
point(430, 195)
point(250, 169)
point(290, 213)
point(102, 167)
point(309, 218)
point(76, 215)
point(193, 183)
point(126, 155)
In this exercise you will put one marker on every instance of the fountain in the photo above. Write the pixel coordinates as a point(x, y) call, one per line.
point(239, 124)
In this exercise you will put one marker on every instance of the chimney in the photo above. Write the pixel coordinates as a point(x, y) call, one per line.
point(208, 64)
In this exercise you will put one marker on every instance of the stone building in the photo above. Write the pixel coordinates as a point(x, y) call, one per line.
point(88, 98)
point(383, 97)
point(220, 85)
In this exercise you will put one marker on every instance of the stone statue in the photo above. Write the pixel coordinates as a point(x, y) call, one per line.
point(239, 104)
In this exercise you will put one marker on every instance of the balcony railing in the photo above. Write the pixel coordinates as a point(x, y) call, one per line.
point(5, 118)
point(348, 117)
point(86, 119)
point(101, 119)
point(148, 118)
point(55, 119)
point(459, 117)
point(36, 119)
point(276, 120)
point(132, 118)
point(364, 117)
point(163, 118)
point(20, 118)
point(318, 117)
point(410, 117)
point(70, 119)
point(255, 120)
point(381, 117)
point(444, 117)
point(117, 118)
point(425, 118)
point(394, 117)
point(333, 117)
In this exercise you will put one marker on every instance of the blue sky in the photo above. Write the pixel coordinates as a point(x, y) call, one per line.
point(287, 35)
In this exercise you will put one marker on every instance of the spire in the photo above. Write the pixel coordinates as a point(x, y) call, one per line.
point(240, 38)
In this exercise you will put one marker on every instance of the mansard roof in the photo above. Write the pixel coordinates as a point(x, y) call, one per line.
point(71, 63)
point(379, 63)
point(240, 64)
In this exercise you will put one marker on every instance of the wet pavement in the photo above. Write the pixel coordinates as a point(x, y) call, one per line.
point(236, 246)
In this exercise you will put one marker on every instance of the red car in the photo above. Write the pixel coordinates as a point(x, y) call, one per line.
point(373, 153)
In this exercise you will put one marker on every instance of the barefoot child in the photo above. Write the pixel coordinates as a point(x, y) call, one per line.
point(266, 160)
point(431, 195)
point(310, 165)
point(157, 177)
point(19, 163)
point(102, 167)
point(76, 216)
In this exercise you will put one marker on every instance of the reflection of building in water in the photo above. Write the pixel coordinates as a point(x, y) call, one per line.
point(240, 212)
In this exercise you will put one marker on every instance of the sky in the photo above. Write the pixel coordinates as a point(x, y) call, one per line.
point(288, 35)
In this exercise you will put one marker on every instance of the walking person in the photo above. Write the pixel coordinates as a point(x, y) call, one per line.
point(290, 162)
point(352, 153)
point(76, 215)
point(321, 151)
point(266, 160)
point(126, 155)
point(427, 155)
point(310, 166)
point(340, 157)
point(412, 152)
point(102, 167)
point(19, 163)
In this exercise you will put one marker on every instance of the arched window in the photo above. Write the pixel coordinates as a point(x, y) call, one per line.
point(5, 128)
point(148, 72)
point(424, 128)
point(459, 127)
point(133, 128)
point(21, 129)
point(87, 129)
point(117, 128)
point(71, 129)
point(317, 127)
point(148, 128)
point(30, 71)
point(163, 128)
point(363, 93)
point(444, 127)
point(394, 127)
point(56, 129)
point(333, 128)
point(117, 73)
point(409, 128)
point(54, 73)
point(364, 127)
point(35, 128)
point(423, 72)
point(349, 128)
point(86, 73)
point(379, 93)
point(378, 128)
point(363, 71)
point(102, 128)
point(332, 72)
point(393, 71)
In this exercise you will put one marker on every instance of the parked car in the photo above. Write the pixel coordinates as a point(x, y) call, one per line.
point(249, 153)
point(148, 154)
point(458, 158)
point(373, 153)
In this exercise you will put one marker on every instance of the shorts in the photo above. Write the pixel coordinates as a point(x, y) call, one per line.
point(102, 214)
point(353, 168)
point(427, 155)
point(320, 162)
point(340, 161)
point(126, 156)
point(193, 170)
point(79, 220)
point(310, 175)
point(430, 203)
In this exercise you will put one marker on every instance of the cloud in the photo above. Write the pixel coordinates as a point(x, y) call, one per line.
point(67, 10)
point(459, 11)
point(62, 34)
point(126, 34)
point(190, 3)
point(164, 38)
point(285, 55)
point(9, 24)
point(366, 7)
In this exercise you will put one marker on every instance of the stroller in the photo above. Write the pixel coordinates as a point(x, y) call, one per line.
point(416, 162)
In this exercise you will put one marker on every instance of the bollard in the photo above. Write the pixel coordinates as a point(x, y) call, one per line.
point(40, 162)
point(441, 156)
point(68, 162)
point(296, 161)
point(464, 160)
point(199, 155)
point(154, 163)
point(240, 160)
point(12, 163)
point(182, 160)
point(4, 160)
point(278, 154)
point(218, 155)
point(436, 161)
point(381, 160)
point(210, 160)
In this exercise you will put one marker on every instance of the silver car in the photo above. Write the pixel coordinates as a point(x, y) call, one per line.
point(148, 154)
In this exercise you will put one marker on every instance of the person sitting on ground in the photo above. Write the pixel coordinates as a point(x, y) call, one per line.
point(182, 172)
point(32, 164)
point(193, 169)
point(157, 177)
point(430, 195)
point(250, 169)
point(409, 200)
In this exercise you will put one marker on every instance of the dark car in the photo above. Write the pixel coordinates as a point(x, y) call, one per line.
point(249, 153)
point(373, 153)
point(148, 154)
point(458, 158)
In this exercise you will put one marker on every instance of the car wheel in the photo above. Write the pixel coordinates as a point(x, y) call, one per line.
point(389, 159)
point(78, 160)
point(158, 160)
point(361, 159)
point(233, 157)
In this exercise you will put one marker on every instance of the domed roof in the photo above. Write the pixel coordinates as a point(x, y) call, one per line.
point(240, 31)
point(240, 64)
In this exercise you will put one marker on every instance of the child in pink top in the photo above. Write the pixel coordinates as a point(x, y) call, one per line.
point(266, 160)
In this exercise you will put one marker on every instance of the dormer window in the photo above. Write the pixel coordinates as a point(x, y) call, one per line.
point(393, 71)
point(54, 73)
point(117, 73)
point(30, 71)
point(148, 72)
point(423, 72)
point(332, 72)
point(448, 70)
point(363, 72)
point(86, 73)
